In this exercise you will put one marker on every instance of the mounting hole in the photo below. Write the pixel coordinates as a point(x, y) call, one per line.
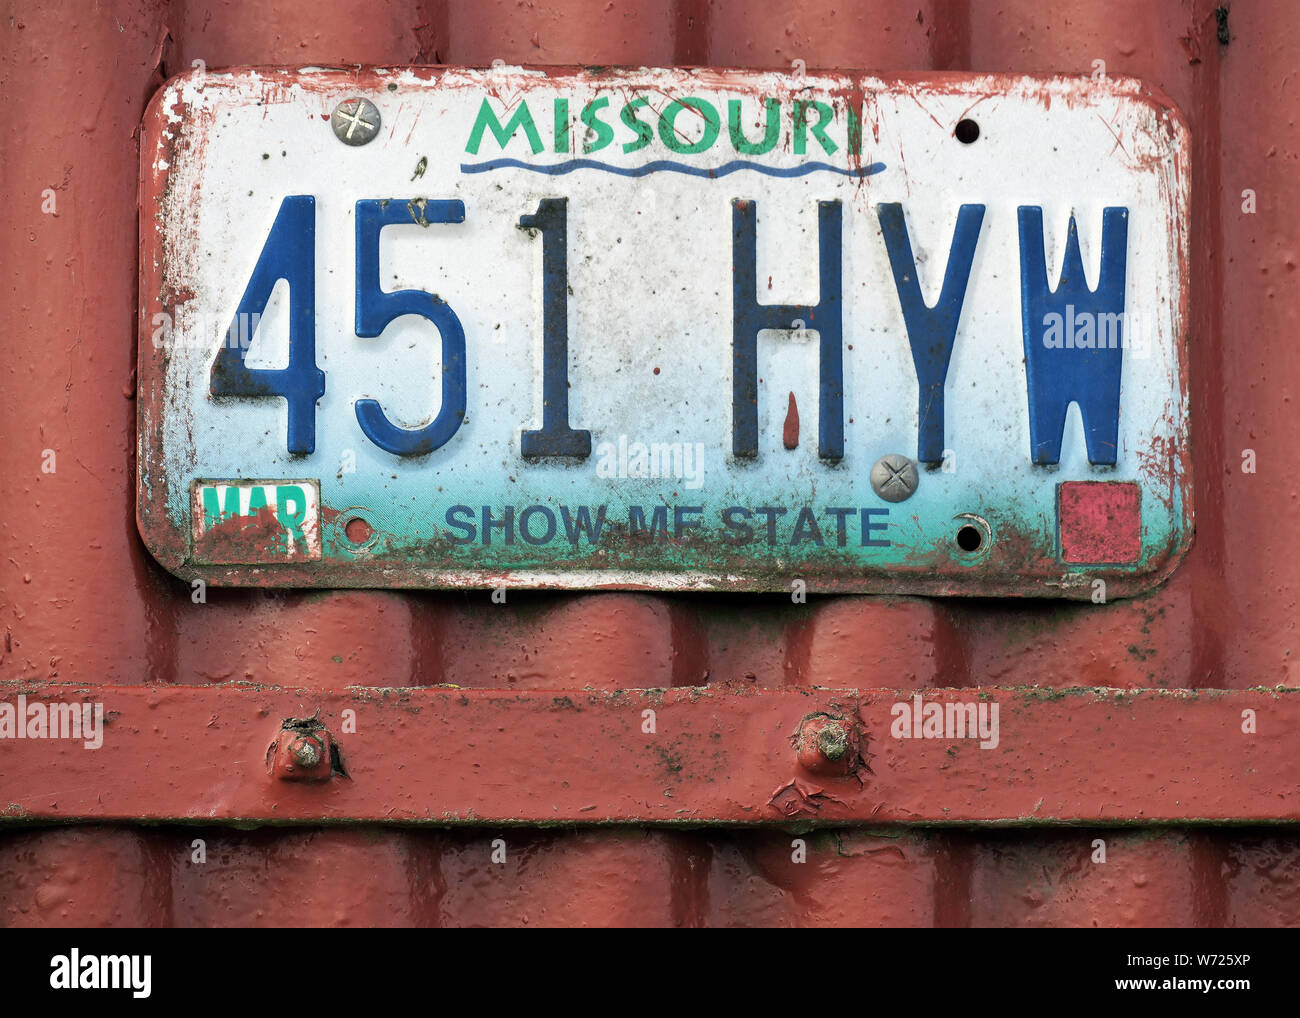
point(966, 131)
point(970, 538)
point(358, 531)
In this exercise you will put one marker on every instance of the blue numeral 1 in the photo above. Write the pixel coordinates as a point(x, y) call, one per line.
point(375, 309)
point(555, 437)
point(289, 254)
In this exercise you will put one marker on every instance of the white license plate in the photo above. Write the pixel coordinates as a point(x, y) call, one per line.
point(665, 329)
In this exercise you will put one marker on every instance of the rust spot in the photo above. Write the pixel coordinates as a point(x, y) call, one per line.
point(790, 435)
point(417, 207)
point(358, 530)
point(238, 537)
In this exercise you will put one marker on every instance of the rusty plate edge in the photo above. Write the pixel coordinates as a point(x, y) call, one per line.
point(449, 756)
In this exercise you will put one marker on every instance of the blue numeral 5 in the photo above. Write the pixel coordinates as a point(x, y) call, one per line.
point(375, 309)
point(289, 254)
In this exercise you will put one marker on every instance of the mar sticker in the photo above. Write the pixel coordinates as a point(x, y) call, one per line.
point(249, 522)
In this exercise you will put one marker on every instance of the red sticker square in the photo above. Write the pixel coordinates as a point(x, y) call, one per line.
point(1100, 521)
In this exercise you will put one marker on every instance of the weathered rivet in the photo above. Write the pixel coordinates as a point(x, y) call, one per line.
point(355, 121)
point(894, 477)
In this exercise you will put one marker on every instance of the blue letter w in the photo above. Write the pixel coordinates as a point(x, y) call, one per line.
point(1069, 357)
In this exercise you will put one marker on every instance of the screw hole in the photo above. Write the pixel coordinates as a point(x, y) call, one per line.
point(967, 131)
point(358, 531)
point(969, 538)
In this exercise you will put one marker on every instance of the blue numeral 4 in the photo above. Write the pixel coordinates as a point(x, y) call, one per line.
point(289, 254)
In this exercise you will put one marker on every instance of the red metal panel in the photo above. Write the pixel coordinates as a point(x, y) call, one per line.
point(895, 34)
point(75, 581)
point(83, 603)
point(559, 33)
point(1261, 877)
point(1147, 880)
point(1255, 255)
point(371, 876)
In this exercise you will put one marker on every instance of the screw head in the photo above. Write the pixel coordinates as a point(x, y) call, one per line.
point(355, 121)
point(894, 477)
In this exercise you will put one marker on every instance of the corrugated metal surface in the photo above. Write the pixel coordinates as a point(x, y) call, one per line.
point(83, 602)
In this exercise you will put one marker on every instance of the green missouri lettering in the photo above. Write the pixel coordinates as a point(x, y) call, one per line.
point(684, 126)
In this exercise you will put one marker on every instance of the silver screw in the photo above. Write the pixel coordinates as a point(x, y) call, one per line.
point(355, 121)
point(894, 477)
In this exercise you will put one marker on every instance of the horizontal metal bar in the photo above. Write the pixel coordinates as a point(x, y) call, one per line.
point(677, 756)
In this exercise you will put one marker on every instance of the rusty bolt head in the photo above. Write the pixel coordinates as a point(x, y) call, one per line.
point(894, 477)
point(355, 121)
point(824, 745)
point(833, 741)
point(306, 752)
point(298, 755)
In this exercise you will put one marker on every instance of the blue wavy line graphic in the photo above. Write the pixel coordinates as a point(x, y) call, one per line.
point(668, 166)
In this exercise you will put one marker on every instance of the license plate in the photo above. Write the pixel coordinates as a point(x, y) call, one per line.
point(664, 329)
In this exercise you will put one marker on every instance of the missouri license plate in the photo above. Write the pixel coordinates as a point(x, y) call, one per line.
point(664, 329)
